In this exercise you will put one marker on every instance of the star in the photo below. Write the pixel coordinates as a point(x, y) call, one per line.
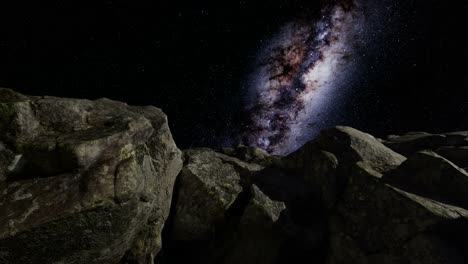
point(296, 73)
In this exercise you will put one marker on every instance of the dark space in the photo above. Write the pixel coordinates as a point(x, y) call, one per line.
point(191, 59)
point(284, 96)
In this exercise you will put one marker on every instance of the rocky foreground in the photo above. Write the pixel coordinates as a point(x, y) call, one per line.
point(103, 182)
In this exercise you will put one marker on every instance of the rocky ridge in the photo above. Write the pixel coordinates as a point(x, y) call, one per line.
point(103, 182)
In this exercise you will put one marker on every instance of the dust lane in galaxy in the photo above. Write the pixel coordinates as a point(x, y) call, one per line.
point(297, 75)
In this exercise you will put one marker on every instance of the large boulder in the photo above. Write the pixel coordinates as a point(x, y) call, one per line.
point(257, 238)
point(319, 169)
point(351, 145)
point(83, 181)
point(324, 162)
point(92, 181)
point(377, 223)
point(219, 215)
point(430, 175)
point(370, 221)
point(207, 187)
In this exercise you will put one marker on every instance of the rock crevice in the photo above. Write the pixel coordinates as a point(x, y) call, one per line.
point(103, 182)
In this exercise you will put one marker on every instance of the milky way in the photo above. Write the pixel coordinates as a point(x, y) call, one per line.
point(299, 75)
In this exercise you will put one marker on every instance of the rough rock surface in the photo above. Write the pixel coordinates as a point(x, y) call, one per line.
point(430, 175)
point(220, 214)
point(371, 221)
point(258, 238)
point(324, 162)
point(375, 222)
point(251, 154)
point(351, 145)
point(319, 169)
point(207, 188)
point(412, 142)
point(92, 181)
point(83, 181)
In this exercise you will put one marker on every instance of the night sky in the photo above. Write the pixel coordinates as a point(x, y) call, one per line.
point(205, 64)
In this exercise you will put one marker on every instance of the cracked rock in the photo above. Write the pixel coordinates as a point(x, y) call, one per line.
point(91, 177)
point(206, 189)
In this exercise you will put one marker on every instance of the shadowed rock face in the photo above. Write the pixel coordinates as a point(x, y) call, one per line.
point(430, 175)
point(412, 142)
point(92, 182)
point(83, 181)
point(207, 188)
point(457, 155)
point(375, 222)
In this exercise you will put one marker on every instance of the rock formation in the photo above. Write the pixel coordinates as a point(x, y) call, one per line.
point(83, 181)
point(103, 182)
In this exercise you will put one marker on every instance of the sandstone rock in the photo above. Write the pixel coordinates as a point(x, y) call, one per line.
point(86, 180)
point(457, 155)
point(430, 175)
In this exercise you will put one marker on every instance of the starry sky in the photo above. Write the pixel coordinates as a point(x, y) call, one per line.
point(267, 73)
